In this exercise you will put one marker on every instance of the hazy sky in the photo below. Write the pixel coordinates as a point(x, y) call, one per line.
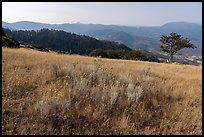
point(118, 13)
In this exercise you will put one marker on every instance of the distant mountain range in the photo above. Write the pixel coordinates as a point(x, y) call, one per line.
point(146, 38)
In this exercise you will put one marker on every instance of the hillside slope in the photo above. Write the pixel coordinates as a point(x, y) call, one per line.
point(9, 41)
point(49, 93)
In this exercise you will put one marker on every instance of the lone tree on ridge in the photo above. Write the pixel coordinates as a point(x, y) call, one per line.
point(173, 43)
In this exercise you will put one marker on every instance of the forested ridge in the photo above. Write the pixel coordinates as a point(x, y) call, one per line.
point(63, 41)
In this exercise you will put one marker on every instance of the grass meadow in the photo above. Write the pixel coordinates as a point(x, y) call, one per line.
point(58, 94)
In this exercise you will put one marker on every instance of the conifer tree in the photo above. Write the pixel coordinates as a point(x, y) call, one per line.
point(173, 43)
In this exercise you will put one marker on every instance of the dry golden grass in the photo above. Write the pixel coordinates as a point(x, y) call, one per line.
point(49, 93)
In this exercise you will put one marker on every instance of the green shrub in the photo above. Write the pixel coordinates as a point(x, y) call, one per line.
point(115, 54)
point(134, 55)
point(120, 54)
point(98, 53)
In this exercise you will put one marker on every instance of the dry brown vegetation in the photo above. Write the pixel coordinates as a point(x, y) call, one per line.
point(49, 93)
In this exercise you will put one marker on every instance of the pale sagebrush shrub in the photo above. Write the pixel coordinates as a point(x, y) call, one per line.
point(51, 103)
point(124, 78)
point(82, 86)
point(134, 93)
point(112, 85)
point(47, 105)
point(97, 87)
point(114, 95)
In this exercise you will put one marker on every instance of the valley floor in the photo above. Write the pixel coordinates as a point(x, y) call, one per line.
point(50, 93)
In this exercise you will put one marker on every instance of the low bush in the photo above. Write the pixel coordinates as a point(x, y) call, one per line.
point(119, 54)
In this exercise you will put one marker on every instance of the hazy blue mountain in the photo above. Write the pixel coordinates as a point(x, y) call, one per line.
point(25, 25)
point(78, 28)
point(191, 30)
point(146, 38)
point(131, 40)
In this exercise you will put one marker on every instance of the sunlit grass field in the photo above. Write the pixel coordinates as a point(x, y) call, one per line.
point(50, 93)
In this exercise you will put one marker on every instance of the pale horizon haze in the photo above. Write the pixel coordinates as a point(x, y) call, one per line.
point(107, 13)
